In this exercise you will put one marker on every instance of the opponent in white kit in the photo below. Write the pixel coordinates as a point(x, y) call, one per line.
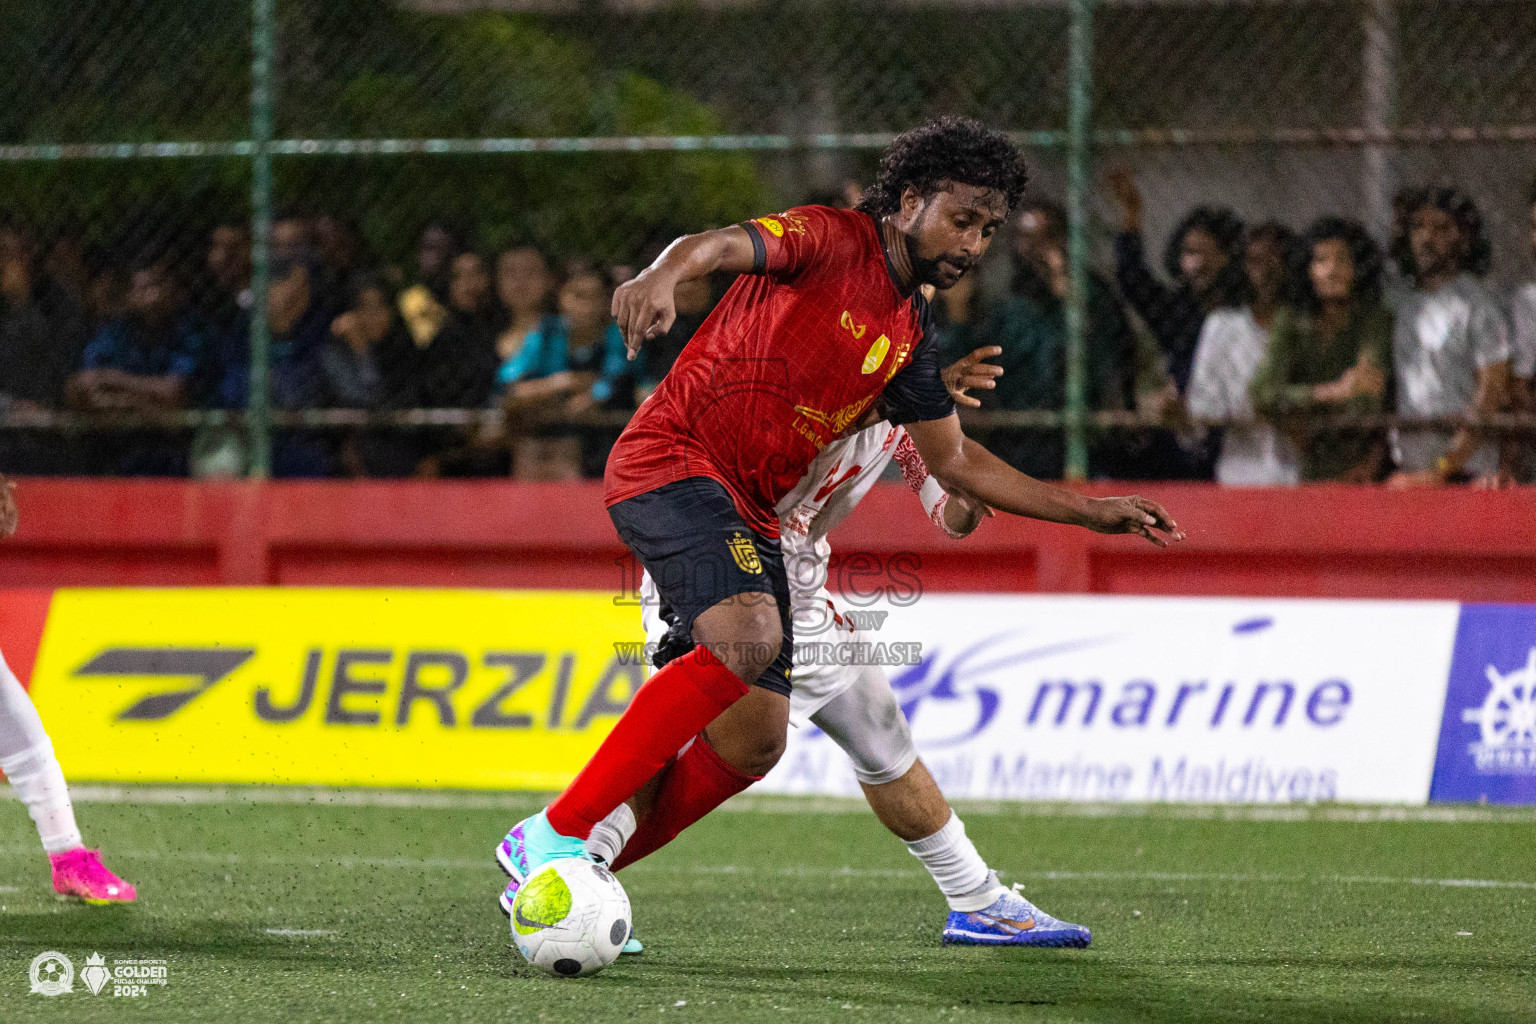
point(26, 758)
point(854, 703)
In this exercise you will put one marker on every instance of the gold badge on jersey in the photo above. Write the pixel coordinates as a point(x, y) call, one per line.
point(775, 228)
point(876, 354)
point(744, 552)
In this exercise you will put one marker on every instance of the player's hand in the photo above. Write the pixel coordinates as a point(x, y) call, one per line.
point(1141, 516)
point(964, 512)
point(972, 371)
point(7, 507)
point(1122, 185)
point(1404, 480)
point(644, 308)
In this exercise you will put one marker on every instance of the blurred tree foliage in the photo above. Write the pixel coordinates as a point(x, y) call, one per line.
point(159, 70)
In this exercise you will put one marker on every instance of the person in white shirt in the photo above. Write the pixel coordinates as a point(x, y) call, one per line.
point(1233, 342)
point(1450, 346)
point(1518, 449)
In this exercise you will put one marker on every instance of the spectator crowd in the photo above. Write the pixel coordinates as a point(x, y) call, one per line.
point(1295, 342)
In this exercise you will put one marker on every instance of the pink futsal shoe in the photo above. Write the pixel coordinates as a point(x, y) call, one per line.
point(80, 872)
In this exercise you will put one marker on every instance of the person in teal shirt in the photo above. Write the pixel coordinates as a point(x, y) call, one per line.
point(578, 356)
point(569, 364)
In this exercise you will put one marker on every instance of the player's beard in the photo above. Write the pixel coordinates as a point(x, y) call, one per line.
point(928, 271)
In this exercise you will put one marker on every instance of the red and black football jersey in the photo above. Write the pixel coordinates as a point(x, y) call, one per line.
point(791, 358)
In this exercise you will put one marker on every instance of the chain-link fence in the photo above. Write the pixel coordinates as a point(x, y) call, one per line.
point(448, 181)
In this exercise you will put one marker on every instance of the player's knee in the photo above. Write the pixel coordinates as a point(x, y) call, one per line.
point(868, 724)
point(758, 757)
point(750, 734)
point(745, 634)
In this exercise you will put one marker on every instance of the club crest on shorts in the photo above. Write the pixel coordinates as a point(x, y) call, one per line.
point(745, 554)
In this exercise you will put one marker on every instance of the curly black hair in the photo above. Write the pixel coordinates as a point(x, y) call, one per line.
point(1227, 229)
point(1293, 259)
point(1478, 255)
point(1364, 252)
point(949, 150)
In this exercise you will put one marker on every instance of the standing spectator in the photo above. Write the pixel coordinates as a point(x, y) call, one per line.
point(572, 363)
point(1031, 329)
point(457, 368)
point(66, 264)
point(299, 328)
point(339, 253)
point(1233, 343)
point(524, 285)
point(293, 238)
point(42, 328)
point(1203, 257)
point(106, 295)
point(227, 291)
point(1331, 354)
point(42, 335)
point(1451, 348)
point(152, 358)
point(355, 373)
point(1517, 448)
point(424, 304)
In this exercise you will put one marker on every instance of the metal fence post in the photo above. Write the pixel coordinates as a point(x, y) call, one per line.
point(1080, 99)
point(259, 404)
point(1379, 62)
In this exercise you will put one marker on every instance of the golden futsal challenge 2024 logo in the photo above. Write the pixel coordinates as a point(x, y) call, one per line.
point(53, 974)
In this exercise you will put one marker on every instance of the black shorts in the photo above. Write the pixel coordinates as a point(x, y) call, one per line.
point(699, 551)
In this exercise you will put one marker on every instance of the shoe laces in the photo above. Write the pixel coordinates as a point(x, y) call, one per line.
point(1018, 892)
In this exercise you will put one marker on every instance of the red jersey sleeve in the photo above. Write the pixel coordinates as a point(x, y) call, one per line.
point(786, 244)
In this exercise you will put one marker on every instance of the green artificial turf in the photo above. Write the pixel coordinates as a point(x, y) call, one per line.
point(787, 911)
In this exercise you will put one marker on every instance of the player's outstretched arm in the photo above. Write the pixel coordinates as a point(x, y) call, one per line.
point(644, 307)
point(961, 464)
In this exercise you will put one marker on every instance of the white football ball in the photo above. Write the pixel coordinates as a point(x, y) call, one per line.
point(571, 917)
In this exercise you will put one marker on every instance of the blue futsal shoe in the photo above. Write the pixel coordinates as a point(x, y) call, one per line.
point(530, 845)
point(632, 945)
point(1012, 921)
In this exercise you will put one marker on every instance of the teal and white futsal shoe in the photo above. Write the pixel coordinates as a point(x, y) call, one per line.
point(530, 845)
point(1012, 921)
point(632, 945)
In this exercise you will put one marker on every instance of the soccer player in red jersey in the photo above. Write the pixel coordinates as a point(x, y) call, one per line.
point(825, 320)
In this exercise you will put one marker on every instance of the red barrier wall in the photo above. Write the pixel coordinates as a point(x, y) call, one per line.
point(1312, 541)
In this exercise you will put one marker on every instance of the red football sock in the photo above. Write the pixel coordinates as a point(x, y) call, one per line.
point(673, 705)
point(699, 782)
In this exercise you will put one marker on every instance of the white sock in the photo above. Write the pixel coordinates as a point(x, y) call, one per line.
point(609, 835)
point(962, 876)
point(39, 782)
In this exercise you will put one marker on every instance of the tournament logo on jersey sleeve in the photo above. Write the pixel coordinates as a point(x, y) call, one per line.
point(1487, 746)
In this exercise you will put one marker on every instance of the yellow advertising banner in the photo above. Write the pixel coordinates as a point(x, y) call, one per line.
point(451, 688)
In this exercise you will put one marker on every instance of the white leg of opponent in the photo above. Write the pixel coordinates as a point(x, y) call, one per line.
point(865, 720)
point(26, 758)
